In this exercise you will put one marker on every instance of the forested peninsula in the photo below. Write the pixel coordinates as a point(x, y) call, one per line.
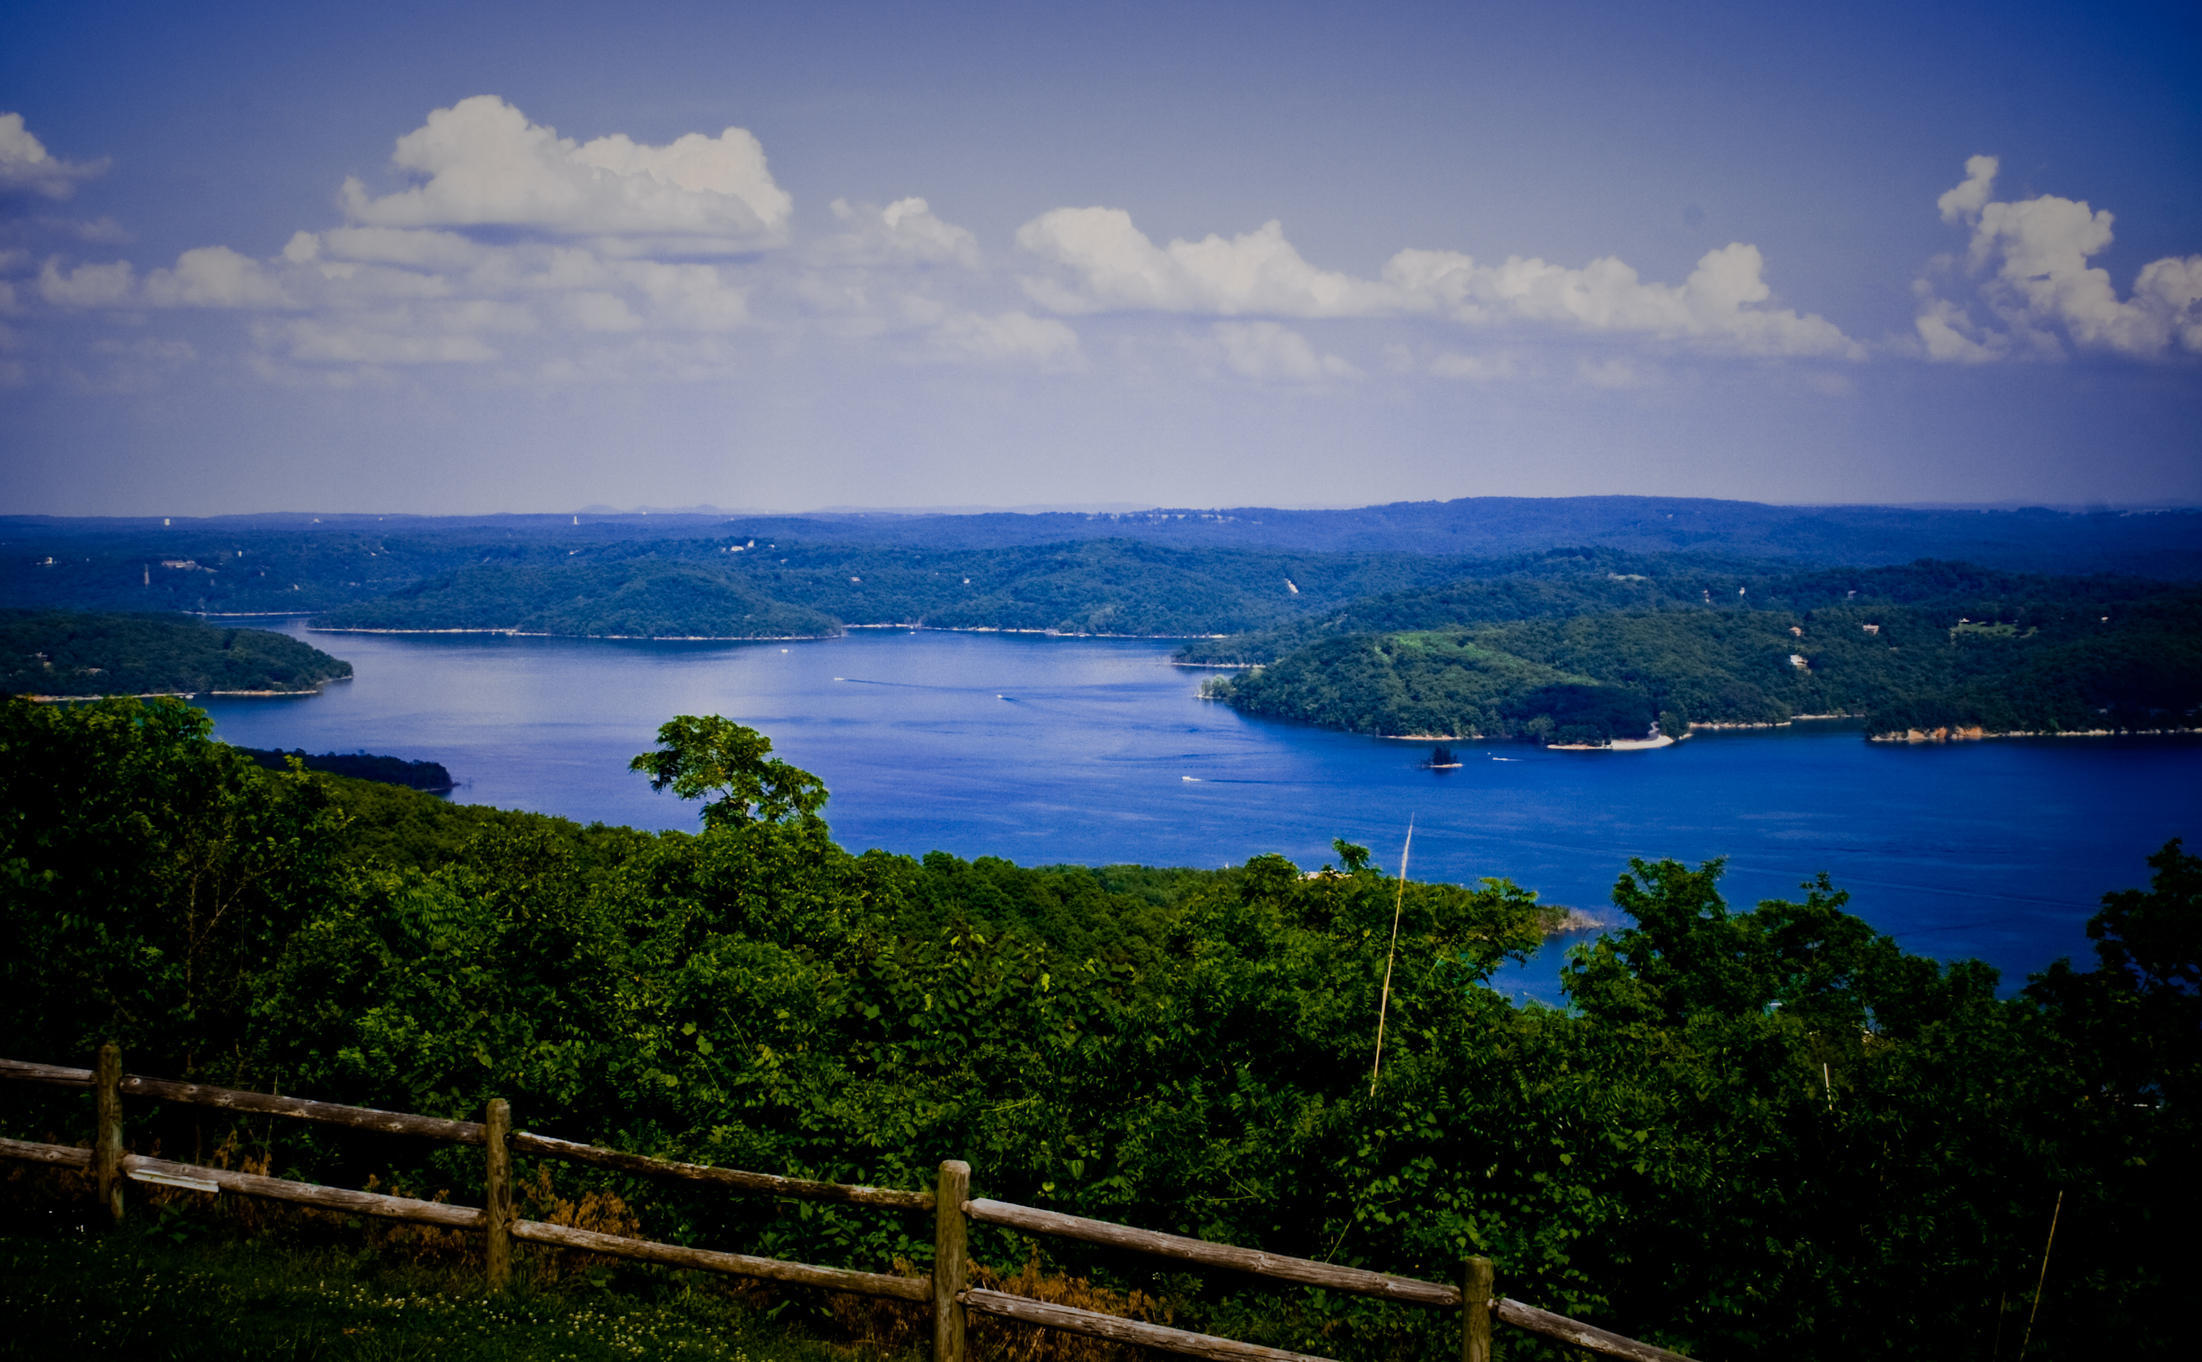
point(429, 776)
point(1755, 1132)
point(1932, 649)
point(69, 653)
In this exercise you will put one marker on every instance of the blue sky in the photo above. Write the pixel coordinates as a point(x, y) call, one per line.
point(465, 258)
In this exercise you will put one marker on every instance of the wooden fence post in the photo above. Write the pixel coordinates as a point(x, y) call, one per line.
point(496, 1125)
point(107, 1144)
point(951, 1263)
point(1475, 1311)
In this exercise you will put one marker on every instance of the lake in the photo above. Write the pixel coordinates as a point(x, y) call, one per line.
point(1097, 751)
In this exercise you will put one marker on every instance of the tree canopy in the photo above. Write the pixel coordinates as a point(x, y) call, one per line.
point(712, 756)
point(1753, 1132)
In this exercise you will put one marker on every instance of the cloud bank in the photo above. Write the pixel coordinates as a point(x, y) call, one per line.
point(549, 259)
point(608, 258)
point(2033, 292)
point(1108, 264)
point(27, 168)
point(482, 163)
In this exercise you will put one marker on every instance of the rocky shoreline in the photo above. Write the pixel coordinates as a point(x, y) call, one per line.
point(177, 694)
point(1951, 733)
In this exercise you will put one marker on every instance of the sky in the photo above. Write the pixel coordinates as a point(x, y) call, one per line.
point(469, 258)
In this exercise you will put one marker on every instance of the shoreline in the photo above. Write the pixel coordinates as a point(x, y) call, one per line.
point(1575, 921)
point(312, 628)
point(605, 638)
point(1975, 733)
point(1715, 727)
point(1617, 745)
point(178, 694)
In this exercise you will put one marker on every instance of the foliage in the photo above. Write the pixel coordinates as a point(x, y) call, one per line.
point(593, 599)
point(2131, 1031)
point(57, 652)
point(151, 877)
point(284, 565)
point(2037, 655)
point(737, 589)
point(1757, 1133)
point(136, 1295)
point(413, 775)
point(715, 756)
point(1272, 580)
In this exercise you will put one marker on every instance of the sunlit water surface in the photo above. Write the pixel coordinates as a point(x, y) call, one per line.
point(1097, 751)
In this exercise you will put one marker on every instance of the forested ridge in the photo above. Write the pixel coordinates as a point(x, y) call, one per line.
point(737, 588)
point(1753, 1133)
point(1924, 647)
point(60, 652)
point(1235, 557)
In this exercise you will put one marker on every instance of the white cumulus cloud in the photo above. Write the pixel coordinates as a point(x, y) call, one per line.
point(1114, 265)
point(484, 164)
point(215, 276)
point(1718, 303)
point(1972, 194)
point(2034, 289)
point(111, 285)
point(905, 231)
point(687, 297)
point(27, 167)
point(351, 342)
point(1272, 352)
point(210, 276)
point(1107, 263)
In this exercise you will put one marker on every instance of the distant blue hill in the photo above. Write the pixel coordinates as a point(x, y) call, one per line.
point(1151, 572)
point(2155, 543)
point(2164, 544)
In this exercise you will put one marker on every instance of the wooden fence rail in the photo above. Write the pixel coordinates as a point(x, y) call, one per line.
point(1071, 1320)
point(527, 1142)
point(950, 1201)
point(1303, 1271)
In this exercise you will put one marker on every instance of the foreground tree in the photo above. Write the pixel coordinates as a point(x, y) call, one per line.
point(146, 873)
point(709, 755)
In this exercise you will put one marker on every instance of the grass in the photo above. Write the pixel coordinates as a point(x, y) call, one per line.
point(171, 1288)
point(187, 1278)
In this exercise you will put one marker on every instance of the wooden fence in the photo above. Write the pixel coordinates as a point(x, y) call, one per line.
point(954, 1209)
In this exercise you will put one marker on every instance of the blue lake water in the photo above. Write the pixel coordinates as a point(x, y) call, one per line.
point(1097, 751)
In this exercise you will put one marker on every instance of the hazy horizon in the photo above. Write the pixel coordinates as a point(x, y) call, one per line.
point(705, 511)
point(490, 258)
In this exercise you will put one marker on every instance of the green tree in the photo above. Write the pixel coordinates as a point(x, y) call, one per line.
point(704, 756)
point(147, 873)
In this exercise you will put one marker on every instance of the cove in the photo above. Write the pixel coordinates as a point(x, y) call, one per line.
point(1097, 751)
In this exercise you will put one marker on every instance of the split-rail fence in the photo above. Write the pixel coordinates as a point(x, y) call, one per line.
point(948, 1290)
